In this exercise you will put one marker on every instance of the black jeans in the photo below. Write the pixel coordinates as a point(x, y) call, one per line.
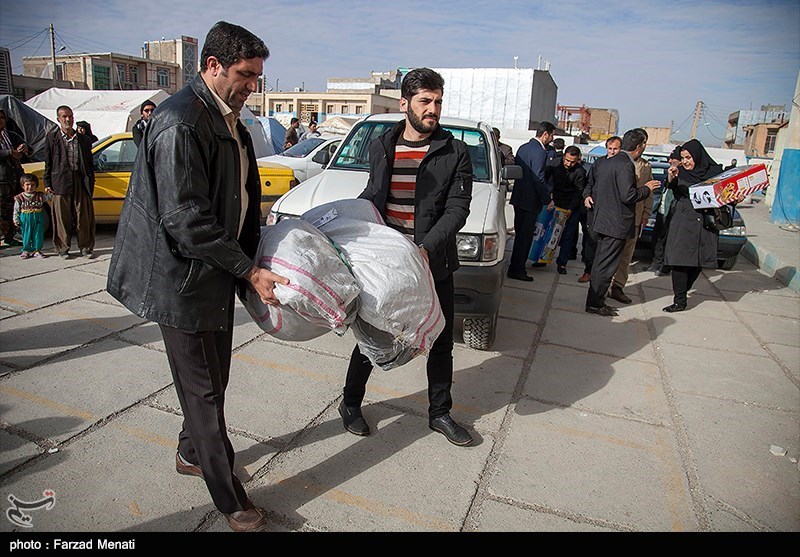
point(589, 242)
point(569, 238)
point(439, 365)
point(682, 281)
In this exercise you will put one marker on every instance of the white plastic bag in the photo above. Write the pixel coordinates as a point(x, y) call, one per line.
point(322, 294)
point(399, 306)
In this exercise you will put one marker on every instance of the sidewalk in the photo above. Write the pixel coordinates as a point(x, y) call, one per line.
point(774, 249)
point(645, 422)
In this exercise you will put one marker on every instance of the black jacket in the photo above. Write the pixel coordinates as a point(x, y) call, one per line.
point(688, 244)
point(442, 197)
point(138, 131)
point(612, 186)
point(568, 186)
point(57, 172)
point(10, 168)
point(176, 257)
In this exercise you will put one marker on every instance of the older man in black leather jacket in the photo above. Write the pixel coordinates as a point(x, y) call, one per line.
point(187, 235)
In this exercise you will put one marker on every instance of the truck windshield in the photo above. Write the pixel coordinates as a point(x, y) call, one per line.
point(354, 154)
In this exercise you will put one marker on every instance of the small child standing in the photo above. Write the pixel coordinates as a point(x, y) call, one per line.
point(29, 216)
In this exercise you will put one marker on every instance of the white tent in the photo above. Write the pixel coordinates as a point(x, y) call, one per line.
point(117, 111)
point(107, 111)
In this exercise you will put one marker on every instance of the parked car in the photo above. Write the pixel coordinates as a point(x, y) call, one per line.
point(113, 159)
point(300, 157)
point(481, 243)
point(731, 240)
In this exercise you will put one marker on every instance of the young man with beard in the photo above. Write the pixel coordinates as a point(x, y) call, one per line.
point(569, 180)
point(146, 110)
point(420, 179)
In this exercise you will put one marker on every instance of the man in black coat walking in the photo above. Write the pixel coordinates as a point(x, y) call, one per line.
point(612, 196)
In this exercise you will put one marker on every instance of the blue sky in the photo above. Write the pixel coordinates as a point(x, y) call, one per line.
point(651, 60)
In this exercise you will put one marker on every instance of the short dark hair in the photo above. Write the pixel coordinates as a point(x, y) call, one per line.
point(572, 150)
point(62, 107)
point(558, 143)
point(496, 132)
point(420, 78)
point(644, 131)
point(230, 43)
point(28, 178)
point(544, 127)
point(632, 139)
point(613, 138)
point(294, 120)
point(145, 104)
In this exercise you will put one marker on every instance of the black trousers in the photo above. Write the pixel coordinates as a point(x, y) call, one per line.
point(200, 364)
point(606, 261)
point(524, 228)
point(439, 365)
point(588, 243)
point(682, 281)
point(659, 240)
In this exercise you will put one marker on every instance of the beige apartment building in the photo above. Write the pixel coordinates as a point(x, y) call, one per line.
point(760, 139)
point(108, 71)
point(657, 136)
point(309, 106)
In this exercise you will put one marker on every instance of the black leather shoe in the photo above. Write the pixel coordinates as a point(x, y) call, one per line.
point(456, 434)
point(673, 308)
point(352, 420)
point(618, 295)
point(187, 468)
point(249, 520)
point(520, 276)
point(605, 311)
point(561, 270)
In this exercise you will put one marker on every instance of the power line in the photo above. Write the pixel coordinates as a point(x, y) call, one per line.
point(26, 40)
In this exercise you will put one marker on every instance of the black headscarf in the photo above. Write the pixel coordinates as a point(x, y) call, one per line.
point(704, 166)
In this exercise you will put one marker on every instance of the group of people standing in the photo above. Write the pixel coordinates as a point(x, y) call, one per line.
point(611, 203)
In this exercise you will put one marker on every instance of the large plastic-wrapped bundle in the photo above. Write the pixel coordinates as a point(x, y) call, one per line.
point(399, 317)
point(322, 294)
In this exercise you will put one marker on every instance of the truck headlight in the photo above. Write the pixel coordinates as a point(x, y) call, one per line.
point(469, 247)
point(477, 247)
point(734, 231)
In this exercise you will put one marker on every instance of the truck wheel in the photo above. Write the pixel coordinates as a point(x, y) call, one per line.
point(727, 264)
point(479, 331)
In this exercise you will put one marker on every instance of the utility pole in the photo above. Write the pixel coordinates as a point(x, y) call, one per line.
point(53, 51)
point(696, 117)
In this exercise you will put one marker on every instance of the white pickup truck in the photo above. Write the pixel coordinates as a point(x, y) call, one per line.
point(482, 241)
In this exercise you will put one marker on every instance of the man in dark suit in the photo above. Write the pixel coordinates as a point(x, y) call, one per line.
point(612, 196)
point(529, 196)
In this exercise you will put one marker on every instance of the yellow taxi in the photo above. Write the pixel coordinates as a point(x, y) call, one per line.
point(113, 162)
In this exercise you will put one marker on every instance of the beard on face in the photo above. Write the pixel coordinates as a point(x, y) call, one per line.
point(419, 125)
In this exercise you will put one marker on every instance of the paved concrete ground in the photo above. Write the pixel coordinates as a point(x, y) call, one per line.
point(645, 422)
point(774, 248)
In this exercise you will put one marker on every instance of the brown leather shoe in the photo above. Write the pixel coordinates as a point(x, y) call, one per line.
point(585, 277)
point(248, 520)
point(186, 468)
point(618, 295)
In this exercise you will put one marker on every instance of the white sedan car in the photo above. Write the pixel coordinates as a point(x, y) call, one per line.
point(300, 157)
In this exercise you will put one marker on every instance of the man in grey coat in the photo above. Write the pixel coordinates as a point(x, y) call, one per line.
point(613, 196)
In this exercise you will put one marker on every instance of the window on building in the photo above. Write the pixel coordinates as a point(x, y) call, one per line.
point(359, 109)
point(61, 71)
point(772, 137)
point(121, 77)
point(163, 77)
point(291, 107)
point(278, 107)
point(101, 77)
point(134, 74)
point(19, 92)
point(330, 109)
point(345, 109)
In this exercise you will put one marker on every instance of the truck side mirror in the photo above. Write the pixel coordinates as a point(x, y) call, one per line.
point(511, 172)
point(323, 158)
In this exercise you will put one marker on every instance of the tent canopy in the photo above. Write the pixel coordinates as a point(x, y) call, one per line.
point(32, 126)
point(274, 133)
point(107, 111)
point(111, 112)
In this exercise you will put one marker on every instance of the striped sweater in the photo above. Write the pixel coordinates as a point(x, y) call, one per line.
point(400, 202)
